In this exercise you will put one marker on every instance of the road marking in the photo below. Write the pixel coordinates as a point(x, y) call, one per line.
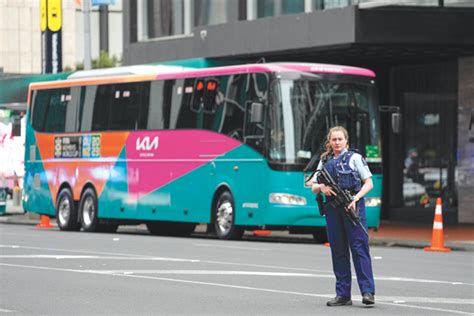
point(240, 287)
point(93, 257)
point(6, 311)
point(91, 252)
point(231, 247)
point(430, 308)
point(212, 272)
point(378, 278)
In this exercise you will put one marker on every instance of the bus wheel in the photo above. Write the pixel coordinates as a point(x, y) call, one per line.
point(320, 235)
point(66, 212)
point(225, 218)
point(88, 211)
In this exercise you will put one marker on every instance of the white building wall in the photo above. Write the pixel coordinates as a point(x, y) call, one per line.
point(20, 35)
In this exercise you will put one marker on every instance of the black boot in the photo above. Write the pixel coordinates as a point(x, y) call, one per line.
point(368, 299)
point(339, 301)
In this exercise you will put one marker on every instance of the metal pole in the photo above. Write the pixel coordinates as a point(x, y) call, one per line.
point(104, 28)
point(87, 35)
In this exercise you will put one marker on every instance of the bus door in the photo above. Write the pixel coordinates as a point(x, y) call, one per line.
point(249, 175)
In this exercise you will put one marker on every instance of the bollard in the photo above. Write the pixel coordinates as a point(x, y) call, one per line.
point(16, 196)
point(3, 200)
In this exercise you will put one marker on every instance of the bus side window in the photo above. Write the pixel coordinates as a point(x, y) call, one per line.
point(39, 106)
point(56, 111)
point(121, 107)
point(161, 98)
point(86, 107)
point(72, 110)
point(187, 118)
point(102, 103)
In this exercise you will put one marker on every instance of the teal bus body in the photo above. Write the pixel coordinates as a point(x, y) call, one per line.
point(164, 177)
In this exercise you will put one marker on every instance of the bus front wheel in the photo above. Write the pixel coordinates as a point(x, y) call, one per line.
point(224, 220)
point(66, 212)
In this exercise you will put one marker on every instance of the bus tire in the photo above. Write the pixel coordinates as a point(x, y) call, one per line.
point(88, 211)
point(224, 218)
point(66, 211)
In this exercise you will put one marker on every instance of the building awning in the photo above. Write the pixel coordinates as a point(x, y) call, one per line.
point(14, 88)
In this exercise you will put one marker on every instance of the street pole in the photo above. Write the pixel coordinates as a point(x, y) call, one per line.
point(87, 35)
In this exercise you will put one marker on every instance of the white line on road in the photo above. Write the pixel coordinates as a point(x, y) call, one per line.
point(93, 257)
point(226, 286)
point(90, 252)
point(213, 272)
point(6, 311)
point(231, 247)
point(141, 257)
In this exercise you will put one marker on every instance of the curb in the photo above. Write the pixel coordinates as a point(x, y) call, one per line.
point(24, 219)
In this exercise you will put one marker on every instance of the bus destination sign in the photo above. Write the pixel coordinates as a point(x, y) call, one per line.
point(85, 146)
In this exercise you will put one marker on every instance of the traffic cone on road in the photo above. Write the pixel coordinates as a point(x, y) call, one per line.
point(437, 240)
point(44, 222)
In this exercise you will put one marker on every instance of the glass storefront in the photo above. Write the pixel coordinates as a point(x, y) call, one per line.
point(422, 161)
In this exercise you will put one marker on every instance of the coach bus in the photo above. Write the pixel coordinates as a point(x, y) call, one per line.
point(224, 146)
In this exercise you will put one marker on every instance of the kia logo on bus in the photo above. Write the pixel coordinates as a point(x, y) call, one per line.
point(147, 144)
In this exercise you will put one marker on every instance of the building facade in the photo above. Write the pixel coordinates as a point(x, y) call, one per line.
point(20, 34)
point(421, 50)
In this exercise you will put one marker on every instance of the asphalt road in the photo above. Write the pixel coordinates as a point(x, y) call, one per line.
point(57, 273)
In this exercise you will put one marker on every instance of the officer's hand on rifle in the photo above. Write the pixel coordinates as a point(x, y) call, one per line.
point(353, 204)
point(327, 190)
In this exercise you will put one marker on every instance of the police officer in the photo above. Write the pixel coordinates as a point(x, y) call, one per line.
point(350, 170)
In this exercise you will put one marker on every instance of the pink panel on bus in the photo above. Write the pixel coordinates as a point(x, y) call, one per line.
point(159, 157)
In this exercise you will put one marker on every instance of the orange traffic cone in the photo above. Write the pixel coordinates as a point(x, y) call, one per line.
point(44, 222)
point(437, 240)
point(261, 232)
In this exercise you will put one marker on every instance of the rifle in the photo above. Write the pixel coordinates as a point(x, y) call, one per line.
point(342, 198)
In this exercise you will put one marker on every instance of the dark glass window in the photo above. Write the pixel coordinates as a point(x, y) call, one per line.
point(49, 110)
point(267, 8)
point(186, 117)
point(40, 106)
point(121, 106)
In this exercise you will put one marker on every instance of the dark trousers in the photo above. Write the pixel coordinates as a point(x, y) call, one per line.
point(343, 235)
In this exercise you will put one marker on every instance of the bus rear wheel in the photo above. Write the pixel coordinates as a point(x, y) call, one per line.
point(88, 211)
point(224, 218)
point(66, 212)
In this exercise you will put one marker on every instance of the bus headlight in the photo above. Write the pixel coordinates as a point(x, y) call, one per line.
point(288, 199)
point(373, 201)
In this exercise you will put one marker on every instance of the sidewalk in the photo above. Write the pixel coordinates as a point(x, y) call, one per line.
point(390, 234)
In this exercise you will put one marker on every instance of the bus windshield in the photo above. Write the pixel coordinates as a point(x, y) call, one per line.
point(307, 106)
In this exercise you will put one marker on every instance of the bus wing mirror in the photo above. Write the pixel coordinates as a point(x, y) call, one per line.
point(256, 112)
point(396, 122)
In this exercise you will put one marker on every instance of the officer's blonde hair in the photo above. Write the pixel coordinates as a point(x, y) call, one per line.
point(329, 151)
